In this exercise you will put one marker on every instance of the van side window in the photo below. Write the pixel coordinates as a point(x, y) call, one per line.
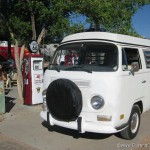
point(130, 55)
point(147, 58)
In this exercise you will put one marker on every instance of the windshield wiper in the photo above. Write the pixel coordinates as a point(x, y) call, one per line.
point(79, 67)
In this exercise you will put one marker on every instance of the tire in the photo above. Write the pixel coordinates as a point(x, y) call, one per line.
point(133, 125)
point(64, 100)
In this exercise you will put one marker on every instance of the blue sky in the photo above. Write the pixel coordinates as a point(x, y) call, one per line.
point(141, 21)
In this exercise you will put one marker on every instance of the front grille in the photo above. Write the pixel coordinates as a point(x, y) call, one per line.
point(79, 83)
point(82, 83)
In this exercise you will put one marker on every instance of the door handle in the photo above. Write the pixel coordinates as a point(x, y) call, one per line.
point(144, 81)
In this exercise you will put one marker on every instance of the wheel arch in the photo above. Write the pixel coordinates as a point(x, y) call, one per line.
point(133, 124)
point(140, 104)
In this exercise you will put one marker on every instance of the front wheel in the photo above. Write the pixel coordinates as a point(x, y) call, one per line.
point(134, 123)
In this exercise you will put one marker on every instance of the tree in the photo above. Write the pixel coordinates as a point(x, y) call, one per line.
point(28, 20)
point(115, 15)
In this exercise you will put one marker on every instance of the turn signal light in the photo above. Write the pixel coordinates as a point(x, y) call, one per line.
point(121, 116)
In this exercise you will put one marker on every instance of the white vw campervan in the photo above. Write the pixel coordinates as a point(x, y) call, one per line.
point(98, 82)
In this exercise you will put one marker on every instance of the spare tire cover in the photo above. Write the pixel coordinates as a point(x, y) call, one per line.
point(64, 100)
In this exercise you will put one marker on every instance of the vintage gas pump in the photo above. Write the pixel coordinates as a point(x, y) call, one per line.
point(33, 79)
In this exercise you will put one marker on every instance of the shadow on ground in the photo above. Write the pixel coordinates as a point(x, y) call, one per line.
point(9, 101)
point(74, 133)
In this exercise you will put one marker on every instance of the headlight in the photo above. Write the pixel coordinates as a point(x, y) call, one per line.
point(97, 102)
point(44, 95)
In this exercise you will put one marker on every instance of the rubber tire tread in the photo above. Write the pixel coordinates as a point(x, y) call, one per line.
point(126, 133)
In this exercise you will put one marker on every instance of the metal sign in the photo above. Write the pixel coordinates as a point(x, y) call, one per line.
point(33, 46)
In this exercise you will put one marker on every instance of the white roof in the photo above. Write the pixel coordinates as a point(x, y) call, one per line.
point(119, 38)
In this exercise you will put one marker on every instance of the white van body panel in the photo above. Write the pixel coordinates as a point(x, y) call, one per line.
point(120, 89)
point(147, 92)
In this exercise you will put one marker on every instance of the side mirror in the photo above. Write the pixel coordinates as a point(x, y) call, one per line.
point(134, 67)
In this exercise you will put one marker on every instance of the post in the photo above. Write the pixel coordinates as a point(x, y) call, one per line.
point(2, 98)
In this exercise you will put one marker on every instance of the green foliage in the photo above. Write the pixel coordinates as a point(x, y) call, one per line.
point(52, 15)
point(114, 15)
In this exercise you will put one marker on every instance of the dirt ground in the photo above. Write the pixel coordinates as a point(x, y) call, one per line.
point(141, 146)
point(8, 143)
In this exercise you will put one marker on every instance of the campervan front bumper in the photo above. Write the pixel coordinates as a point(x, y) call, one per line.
point(82, 124)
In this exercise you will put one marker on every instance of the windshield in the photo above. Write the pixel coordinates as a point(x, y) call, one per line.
point(88, 57)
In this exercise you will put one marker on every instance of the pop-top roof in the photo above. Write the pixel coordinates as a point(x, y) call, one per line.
point(119, 38)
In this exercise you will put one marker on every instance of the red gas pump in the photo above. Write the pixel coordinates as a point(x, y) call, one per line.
point(33, 79)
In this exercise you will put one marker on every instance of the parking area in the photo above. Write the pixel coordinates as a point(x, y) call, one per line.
point(22, 128)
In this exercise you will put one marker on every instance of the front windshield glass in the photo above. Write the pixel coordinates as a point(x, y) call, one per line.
point(90, 57)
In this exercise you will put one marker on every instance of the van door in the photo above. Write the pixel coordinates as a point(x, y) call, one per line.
point(147, 60)
point(135, 83)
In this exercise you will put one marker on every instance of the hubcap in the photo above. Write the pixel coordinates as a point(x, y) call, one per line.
point(134, 122)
